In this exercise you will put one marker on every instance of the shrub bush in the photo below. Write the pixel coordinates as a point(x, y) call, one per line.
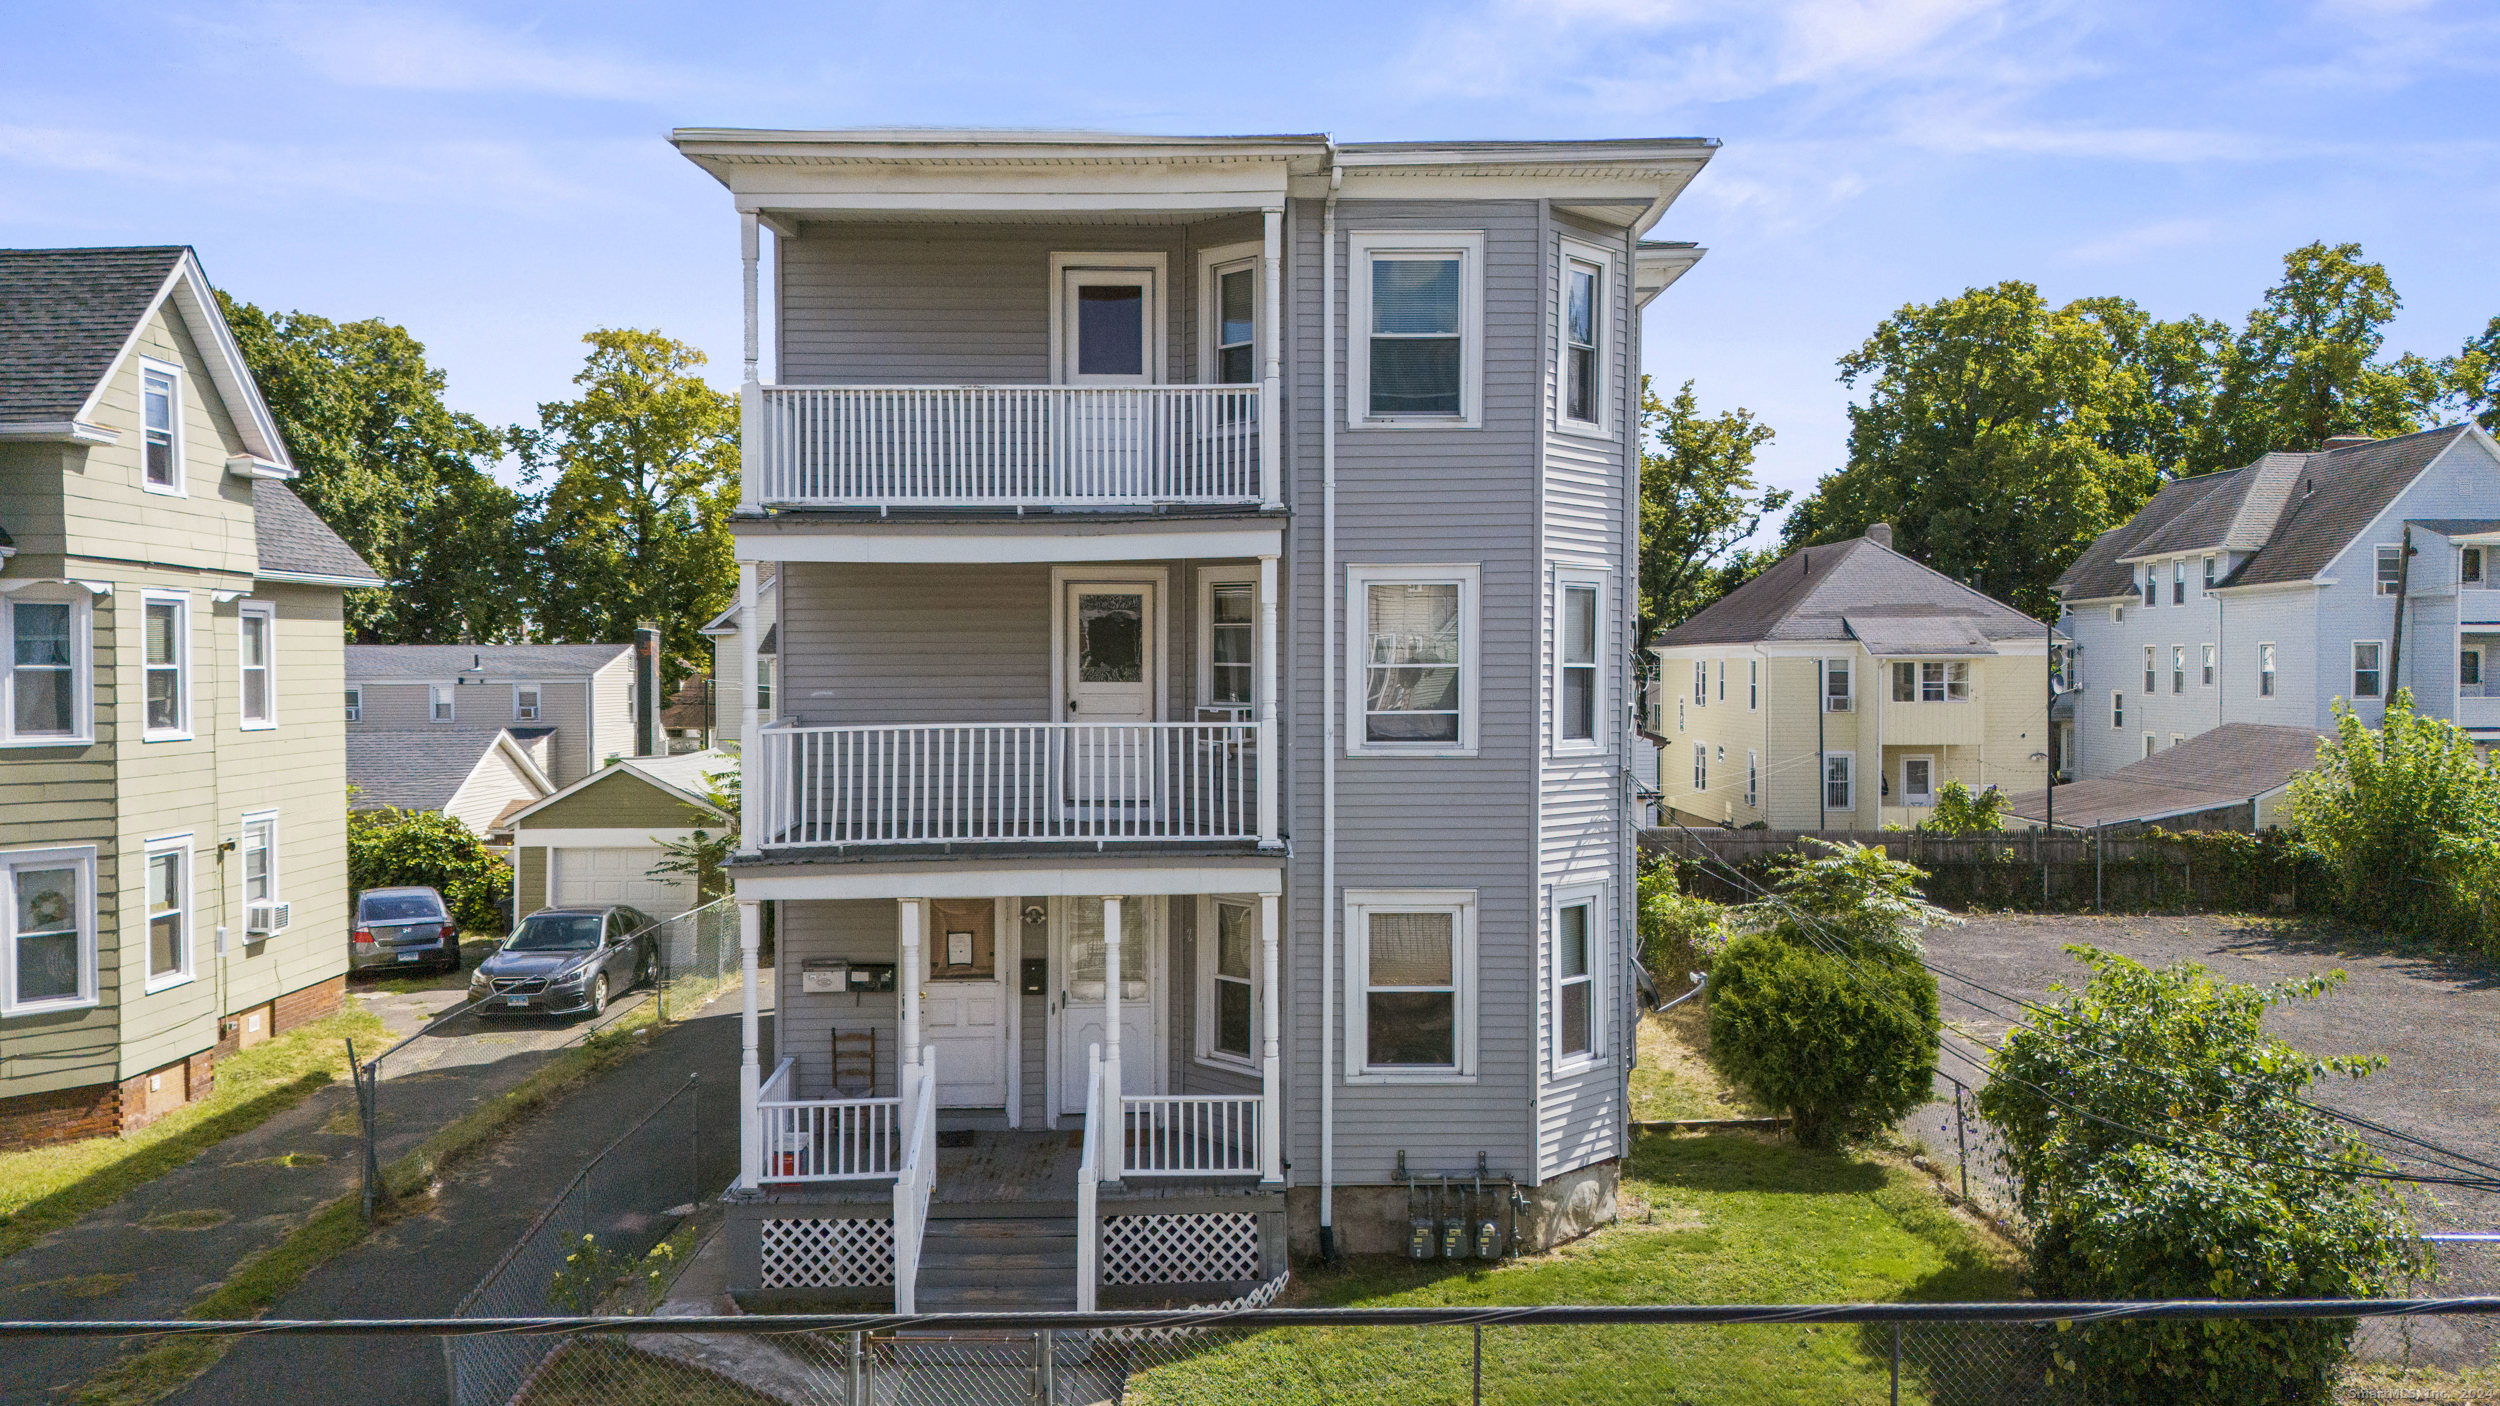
point(388, 847)
point(1679, 933)
point(1960, 811)
point(1822, 1009)
point(2407, 820)
point(2159, 1150)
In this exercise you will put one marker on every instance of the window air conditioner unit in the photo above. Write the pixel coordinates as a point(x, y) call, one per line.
point(264, 917)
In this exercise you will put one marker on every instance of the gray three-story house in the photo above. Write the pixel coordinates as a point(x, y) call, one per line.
point(1195, 810)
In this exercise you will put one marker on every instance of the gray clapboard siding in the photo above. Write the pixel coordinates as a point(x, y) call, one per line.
point(857, 930)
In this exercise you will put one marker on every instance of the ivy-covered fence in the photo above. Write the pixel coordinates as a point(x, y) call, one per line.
point(2155, 871)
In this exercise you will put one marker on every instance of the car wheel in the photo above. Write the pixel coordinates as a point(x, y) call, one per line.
point(598, 994)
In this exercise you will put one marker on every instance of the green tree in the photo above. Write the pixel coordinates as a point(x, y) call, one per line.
point(2407, 818)
point(1699, 500)
point(2474, 377)
point(1823, 1010)
point(2305, 366)
point(644, 466)
point(1999, 436)
point(703, 856)
point(390, 847)
point(2161, 1147)
point(396, 473)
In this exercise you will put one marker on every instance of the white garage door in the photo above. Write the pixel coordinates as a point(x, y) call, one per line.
point(619, 875)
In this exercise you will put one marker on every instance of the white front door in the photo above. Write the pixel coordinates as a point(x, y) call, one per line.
point(1918, 781)
point(963, 1003)
point(1083, 1021)
point(1109, 676)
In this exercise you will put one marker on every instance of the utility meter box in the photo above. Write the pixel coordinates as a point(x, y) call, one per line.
point(871, 976)
point(820, 976)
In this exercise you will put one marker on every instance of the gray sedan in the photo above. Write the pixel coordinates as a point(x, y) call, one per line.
point(562, 961)
point(402, 927)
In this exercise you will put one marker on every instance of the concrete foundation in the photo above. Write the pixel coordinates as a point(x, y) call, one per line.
point(1372, 1220)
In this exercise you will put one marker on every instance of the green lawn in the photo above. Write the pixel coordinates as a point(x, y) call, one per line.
point(1673, 1077)
point(1722, 1218)
point(45, 1188)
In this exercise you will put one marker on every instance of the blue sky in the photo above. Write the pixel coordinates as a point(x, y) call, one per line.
point(494, 177)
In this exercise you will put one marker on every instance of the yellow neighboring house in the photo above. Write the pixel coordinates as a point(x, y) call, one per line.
point(1841, 689)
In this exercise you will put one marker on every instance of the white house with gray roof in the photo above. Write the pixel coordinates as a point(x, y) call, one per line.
point(1198, 754)
point(570, 706)
point(2266, 593)
point(172, 758)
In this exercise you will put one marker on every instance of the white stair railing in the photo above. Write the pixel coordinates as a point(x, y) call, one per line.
point(918, 1177)
point(1007, 782)
point(1197, 1135)
point(1088, 1180)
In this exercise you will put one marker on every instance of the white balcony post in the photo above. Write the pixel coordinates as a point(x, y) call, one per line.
point(1272, 382)
point(907, 954)
point(1115, 1137)
point(1271, 1066)
point(1270, 763)
point(750, 640)
point(750, 395)
point(750, 1067)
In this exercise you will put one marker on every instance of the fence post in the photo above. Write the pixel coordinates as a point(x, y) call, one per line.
point(1896, 1364)
point(1045, 1354)
point(1961, 1138)
point(1479, 1363)
point(858, 1395)
point(694, 1140)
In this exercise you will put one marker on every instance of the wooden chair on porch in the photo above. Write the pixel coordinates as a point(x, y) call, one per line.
point(855, 1062)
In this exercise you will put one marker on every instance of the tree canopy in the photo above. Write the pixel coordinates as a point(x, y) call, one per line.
point(1699, 503)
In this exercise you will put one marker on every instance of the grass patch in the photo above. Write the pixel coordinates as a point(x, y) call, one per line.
point(602, 1372)
point(1673, 1076)
point(45, 1188)
point(151, 1372)
point(83, 1286)
point(1719, 1218)
point(198, 1218)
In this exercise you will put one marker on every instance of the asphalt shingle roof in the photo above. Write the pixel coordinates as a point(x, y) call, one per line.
point(2223, 767)
point(1813, 593)
point(64, 315)
point(377, 662)
point(292, 539)
point(412, 770)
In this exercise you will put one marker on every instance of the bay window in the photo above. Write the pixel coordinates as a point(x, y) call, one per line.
point(1410, 985)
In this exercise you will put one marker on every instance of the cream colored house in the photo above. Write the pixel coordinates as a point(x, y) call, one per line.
point(1842, 689)
point(172, 765)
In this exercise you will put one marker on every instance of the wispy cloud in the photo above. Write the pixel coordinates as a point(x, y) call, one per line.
point(2122, 245)
point(430, 50)
point(497, 175)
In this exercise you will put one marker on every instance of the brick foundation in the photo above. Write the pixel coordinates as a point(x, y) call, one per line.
point(311, 1003)
point(63, 1115)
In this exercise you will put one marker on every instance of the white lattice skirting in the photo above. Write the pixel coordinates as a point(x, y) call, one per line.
point(1193, 1249)
point(821, 1254)
point(1259, 1297)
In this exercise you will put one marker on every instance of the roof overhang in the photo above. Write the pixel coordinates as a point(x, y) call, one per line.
point(311, 578)
point(1655, 267)
point(622, 766)
point(56, 431)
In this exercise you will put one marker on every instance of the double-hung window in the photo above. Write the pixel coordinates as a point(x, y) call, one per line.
point(1931, 681)
point(44, 694)
point(1578, 692)
point(525, 702)
point(1416, 306)
point(260, 873)
point(1753, 777)
point(2390, 568)
point(764, 686)
point(2470, 668)
point(259, 623)
point(1701, 766)
point(2265, 671)
point(1578, 990)
point(2118, 711)
point(47, 918)
point(2210, 563)
point(1584, 323)
point(2205, 653)
point(1229, 301)
point(2178, 581)
point(355, 703)
point(166, 661)
point(2366, 655)
point(168, 894)
point(1753, 684)
point(438, 701)
point(2152, 585)
point(2151, 668)
point(1701, 683)
point(1836, 686)
point(1414, 645)
point(2178, 668)
point(1410, 984)
point(160, 427)
point(1229, 953)
point(1229, 645)
point(2470, 565)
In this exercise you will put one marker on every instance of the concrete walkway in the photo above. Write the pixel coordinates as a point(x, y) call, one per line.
point(154, 1253)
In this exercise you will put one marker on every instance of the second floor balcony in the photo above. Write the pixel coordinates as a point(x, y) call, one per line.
point(1007, 446)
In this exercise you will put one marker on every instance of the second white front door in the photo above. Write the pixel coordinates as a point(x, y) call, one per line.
point(1108, 677)
point(1084, 1013)
point(1918, 781)
point(963, 1003)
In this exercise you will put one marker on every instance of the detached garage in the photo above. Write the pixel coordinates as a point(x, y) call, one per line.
point(597, 840)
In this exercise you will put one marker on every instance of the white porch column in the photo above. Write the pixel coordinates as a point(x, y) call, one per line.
point(907, 956)
point(1114, 1136)
point(1272, 379)
point(1271, 763)
point(750, 395)
point(750, 1065)
point(752, 795)
point(1271, 1066)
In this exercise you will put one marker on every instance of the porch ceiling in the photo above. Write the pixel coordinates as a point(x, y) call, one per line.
point(884, 875)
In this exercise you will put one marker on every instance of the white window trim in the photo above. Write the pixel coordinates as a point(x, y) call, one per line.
point(1753, 685)
point(1935, 783)
point(1158, 289)
point(1701, 768)
point(1208, 1054)
point(532, 686)
point(1601, 739)
point(81, 665)
point(2208, 665)
point(267, 613)
point(437, 694)
point(82, 859)
point(2177, 737)
point(2267, 654)
point(1701, 683)
point(2386, 586)
point(354, 699)
point(2476, 651)
point(1359, 903)
point(189, 970)
point(1469, 246)
point(1849, 695)
point(242, 865)
point(181, 601)
point(2352, 677)
point(2178, 580)
point(2178, 670)
point(1753, 778)
point(1220, 259)
point(1606, 425)
point(1597, 1054)
point(1469, 577)
point(2152, 667)
point(2118, 615)
point(1823, 779)
point(181, 486)
point(2118, 710)
point(1208, 580)
point(766, 683)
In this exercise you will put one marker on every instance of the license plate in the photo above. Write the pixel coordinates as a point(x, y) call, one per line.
point(410, 956)
point(516, 1000)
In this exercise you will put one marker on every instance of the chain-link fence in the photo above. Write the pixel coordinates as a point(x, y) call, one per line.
point(698, 957)
point(2010, 1354)
point(616, 1234)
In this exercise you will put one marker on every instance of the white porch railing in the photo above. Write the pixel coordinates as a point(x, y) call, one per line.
point(918, 1177)
point(1191, 1135)
point(827, 1139)
point(1005, 782)
point(971, 446)
point(1088, 1187)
